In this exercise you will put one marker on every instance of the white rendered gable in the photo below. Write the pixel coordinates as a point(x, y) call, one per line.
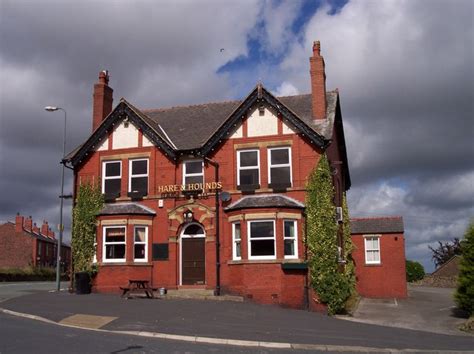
point(125, 136)
point(261, 125)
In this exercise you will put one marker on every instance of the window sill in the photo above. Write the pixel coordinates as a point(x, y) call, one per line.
point(121, 264)
point(264, 261)
point(373, 264)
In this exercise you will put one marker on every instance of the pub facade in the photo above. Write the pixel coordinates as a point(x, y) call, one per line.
point(211, 196)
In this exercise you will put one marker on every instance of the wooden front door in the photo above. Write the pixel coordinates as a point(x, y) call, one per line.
point(193, 255)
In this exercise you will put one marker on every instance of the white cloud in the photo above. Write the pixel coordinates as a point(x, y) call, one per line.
point(286, 89)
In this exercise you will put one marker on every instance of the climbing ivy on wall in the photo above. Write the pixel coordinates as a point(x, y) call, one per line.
point(332, 286)
point(349, 268)
point(89, 203)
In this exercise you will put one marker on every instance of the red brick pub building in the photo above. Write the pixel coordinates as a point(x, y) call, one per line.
point(211, 196)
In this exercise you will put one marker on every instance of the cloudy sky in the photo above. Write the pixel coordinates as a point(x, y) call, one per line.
point(404, 70)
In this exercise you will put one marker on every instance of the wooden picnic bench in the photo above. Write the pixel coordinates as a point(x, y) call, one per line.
point(138, 287)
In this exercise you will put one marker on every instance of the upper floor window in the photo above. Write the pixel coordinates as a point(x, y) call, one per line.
point(111, 177)
point(248, 165)
point(236, 241)
point(114, 244)
point(290, 239)
point(193, 172)
point(261, 239)
point(372, 249)
point(138, 179)
point(279, 167)
point(140, 239)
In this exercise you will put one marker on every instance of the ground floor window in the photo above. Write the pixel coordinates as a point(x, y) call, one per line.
point(140, 243)
point(372, 249)
point(290, 239)
point(261, 239)
point(236, 241)
point(114, 244)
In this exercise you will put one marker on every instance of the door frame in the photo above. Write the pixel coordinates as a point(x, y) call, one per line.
point(184, 235)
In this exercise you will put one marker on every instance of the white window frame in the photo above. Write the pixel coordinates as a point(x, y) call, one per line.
point(193, 174)
point(104, 244)
point(294, 238)
point(249, 240)
point(239, 168)
point(130, 175)
point(366, 249)
point(135, 227)
point(234, 241)
point(270, 166)
point(104, 178)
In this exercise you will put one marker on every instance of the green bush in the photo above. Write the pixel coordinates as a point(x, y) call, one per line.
point(465, 292)
point(415, 271)
point(29, 274)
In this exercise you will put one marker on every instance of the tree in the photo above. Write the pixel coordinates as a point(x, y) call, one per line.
point(332, 286)
point(415, 271)
point(89, 203)
point(465, 291)
point(445, 251)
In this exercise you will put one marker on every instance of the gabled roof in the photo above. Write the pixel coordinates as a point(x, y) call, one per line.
point(200, 128)
point(265, 201)
point(153, 131)
point(377, 225)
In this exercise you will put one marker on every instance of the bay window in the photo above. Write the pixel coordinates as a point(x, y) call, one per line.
point(114, 244)
point(279, 167)
point(248, 169)
point(261, 239)
point(290, 239)
point(111, 178)
point(140, 247)
point(236, 242)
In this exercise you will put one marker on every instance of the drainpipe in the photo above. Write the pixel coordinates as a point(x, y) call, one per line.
point(217, 291)
point(306, 277)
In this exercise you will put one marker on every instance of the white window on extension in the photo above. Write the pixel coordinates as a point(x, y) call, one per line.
point(372, 249)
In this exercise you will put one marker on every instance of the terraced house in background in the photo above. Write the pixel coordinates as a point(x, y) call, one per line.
point(211, 196)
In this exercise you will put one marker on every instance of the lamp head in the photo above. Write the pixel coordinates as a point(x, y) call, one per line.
point(51, 108)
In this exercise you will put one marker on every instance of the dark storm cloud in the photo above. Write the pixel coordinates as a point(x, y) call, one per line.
point(51, 53)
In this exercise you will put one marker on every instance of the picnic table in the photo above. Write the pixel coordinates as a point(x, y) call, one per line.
point(137, 286)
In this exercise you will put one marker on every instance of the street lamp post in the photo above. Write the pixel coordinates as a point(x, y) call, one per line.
point(61, 226)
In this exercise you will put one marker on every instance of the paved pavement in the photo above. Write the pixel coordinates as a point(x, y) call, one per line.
point(426, 309)
point(193, 319)
point(10, 290)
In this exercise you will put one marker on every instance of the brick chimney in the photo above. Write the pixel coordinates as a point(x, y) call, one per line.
point(35, 229)
point(318, 82)
point(44, 228)
point(102, 99)
point(19, 222)
point(28, 224)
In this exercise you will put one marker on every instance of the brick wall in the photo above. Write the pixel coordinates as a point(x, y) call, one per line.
point(16, 247)
point(384, 280)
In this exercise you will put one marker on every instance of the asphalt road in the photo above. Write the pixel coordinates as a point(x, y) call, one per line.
point(19, 335)
point(12, 290)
